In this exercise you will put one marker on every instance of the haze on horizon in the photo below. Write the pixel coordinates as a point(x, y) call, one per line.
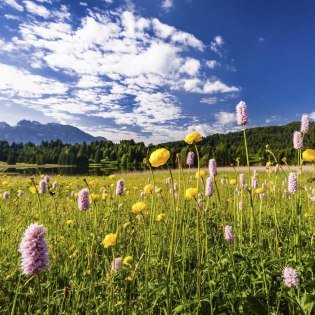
point(155, 70)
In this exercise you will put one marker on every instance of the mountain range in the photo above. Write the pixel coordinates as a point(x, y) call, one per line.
point(35, 132)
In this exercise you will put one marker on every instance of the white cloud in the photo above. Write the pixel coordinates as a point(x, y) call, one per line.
point(167, 4)
point(225, 118)
point(312, 115)
point(21, 83)
point(261, 39)
point(118, 66)
point(217, 44)
point(209, 100)
point(14, 4)
point(211, 64)
point(191, 66)
point(36, 9)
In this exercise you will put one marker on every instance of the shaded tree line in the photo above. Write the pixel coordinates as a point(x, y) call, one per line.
point(129, 155)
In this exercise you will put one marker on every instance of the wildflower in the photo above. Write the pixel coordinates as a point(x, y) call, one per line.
point(209, 187)
point(241, 113)
point(168, 181)
point(290, 277)
point(42, 187)
point(105, 196)
point(292, 183)
point(305, 124)
point(129, 279)
point(228, 234)
point(254, 183)
point(190, 158)
point(20, 193)
point(109, 240)
point(309, 155)
point(148, 189)
point(242, 179)
point(139, 206)
point(120, 187)
point(297, 140)
point(200, 174)
point(160, 217)
point(259, 190)
point(232, 181)
point(32, 189)
point(54, 185)
point(116, 264)
point(94, 197)
point(84, 200)
point(191, 192)
point(142, 194)
point(193, 137)
point(159, 157)
point(70, 222)
point(175, 186)
point(47, 179)
point(6, 195)
point(112, 176)
point(127, 260)
point(34, 250)
point(213, 172)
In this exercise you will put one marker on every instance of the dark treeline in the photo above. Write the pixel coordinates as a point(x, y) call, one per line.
point(128, 155)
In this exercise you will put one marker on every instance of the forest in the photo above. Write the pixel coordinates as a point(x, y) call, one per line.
point(227, 149)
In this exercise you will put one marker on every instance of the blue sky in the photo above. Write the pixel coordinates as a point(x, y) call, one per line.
point(153, 70)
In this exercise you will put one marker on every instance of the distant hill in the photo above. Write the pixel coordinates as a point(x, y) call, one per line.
point(35, 132)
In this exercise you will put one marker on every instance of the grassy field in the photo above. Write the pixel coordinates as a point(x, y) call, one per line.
point(182, 263)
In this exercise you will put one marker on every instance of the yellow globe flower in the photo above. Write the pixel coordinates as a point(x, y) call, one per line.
point(70, 222)
point(113, 176)
point(138, 207)
point(94, 197)
point(159, 157)
point(232, 181)
point(127, 260)
point(160, 217)
point(259, 190)
point(200, 174)
point(148, 189)
point(33, 190)
point(109, 240)
point(191, 192)
point(268, 163)
point(105, 196)
point(309, 155)
point(193, 137)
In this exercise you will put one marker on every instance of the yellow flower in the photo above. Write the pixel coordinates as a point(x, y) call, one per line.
point(268, 163)
point(112, 185)
point(94, 197)
point(160, 217)
point(128, 279)
point(159, 157)
point(105, 196)
point(191, 192)
point(138, 207)
point(87, 272)
point(113, 176)
point(259, 190)
point(193, 137)
point(148, 189)
point(127, 260)
point(232, 181)
point(33, 190)
point(109, 240)
point(200, 174)
point(70, 222)
point(309, 155)
point(158, 190)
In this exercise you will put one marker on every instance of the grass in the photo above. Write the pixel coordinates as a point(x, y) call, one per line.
point(181, 263)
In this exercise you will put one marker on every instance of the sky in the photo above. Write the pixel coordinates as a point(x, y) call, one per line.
point(154, 70)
